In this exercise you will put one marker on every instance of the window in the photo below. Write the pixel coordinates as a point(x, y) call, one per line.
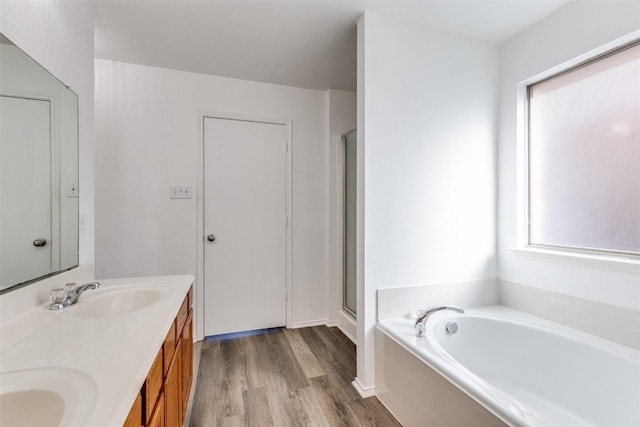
point(584, 156)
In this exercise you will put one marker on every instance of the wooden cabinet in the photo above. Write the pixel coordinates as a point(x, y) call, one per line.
point(162, 401)
point(134, 419)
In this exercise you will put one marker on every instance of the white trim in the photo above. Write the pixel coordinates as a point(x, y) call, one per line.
point(584, 259)
point(340, 224)
point(288, 123)
point(199, 291)
point(347, 324)
point(198, 305)
point(362, 390)
point(329, 324)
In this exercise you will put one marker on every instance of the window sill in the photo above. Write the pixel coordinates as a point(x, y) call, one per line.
point(614, 262)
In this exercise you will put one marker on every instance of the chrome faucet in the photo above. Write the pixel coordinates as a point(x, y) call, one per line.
point(64, 297)
point(423, 316)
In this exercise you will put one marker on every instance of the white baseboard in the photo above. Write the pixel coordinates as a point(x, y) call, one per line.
point(347, 327)
point(298, 325)
point(309, 323)
point(364, 391)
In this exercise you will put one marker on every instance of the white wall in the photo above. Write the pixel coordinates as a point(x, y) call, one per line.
point(571, 31)
point(59, 35)
point(342, 118)
point(147, 127)
point(426, 127)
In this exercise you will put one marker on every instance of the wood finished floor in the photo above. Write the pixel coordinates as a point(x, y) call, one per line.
point(293, 377)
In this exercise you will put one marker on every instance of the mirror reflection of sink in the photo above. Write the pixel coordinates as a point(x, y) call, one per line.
point(46, 397)
point(107, 302)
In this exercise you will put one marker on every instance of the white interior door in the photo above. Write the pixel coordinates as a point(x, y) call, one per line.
point(25, 139)
point(245, 212)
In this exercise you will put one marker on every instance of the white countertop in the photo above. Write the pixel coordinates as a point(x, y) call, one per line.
point(114, 352)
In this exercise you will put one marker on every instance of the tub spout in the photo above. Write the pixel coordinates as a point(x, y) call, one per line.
point(423, 316)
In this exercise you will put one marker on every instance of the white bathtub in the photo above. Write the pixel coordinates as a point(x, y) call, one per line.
point(528, 371)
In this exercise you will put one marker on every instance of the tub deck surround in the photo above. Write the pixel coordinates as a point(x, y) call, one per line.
point(116, 351)
point(401, 301)
point(610, 322)
point(525, 370)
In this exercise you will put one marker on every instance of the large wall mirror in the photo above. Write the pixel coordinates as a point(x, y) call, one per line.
point(38, 171)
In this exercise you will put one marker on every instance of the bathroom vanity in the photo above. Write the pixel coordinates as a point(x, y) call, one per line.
point(163, 397)
point(121, 356)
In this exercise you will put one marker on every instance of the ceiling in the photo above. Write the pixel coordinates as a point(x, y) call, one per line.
point(303, 43)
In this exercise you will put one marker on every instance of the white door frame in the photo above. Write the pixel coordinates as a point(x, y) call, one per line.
point(200, 231)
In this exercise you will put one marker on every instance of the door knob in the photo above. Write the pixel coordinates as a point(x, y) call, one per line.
point(40, 242)
point(211, 237)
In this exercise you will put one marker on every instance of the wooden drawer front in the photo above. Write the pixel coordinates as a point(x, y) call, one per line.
point(182, 315)
point(169, 346)
point(134, 419)
point(190, 296)
point(153, 385)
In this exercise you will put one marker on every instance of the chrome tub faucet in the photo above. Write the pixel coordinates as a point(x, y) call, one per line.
point(423, 316)
point(69, 295)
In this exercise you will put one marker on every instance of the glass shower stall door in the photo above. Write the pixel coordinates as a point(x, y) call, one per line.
point(349, 146)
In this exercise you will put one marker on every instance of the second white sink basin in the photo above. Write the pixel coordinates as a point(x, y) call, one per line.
point(15, 408)
point(45, 397)
point(115, 301)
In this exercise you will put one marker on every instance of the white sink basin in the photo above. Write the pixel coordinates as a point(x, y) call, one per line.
point(46, 397)
point(116, 301)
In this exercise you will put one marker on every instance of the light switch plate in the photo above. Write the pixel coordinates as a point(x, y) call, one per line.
point(72, 189)
point(180, 191)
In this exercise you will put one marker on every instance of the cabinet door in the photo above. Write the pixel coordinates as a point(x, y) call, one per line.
point(172, 393)
point(187, 361)
point(153, 386)
point(158, 415)
point(134, 419)
point(169, 347)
